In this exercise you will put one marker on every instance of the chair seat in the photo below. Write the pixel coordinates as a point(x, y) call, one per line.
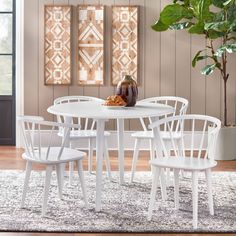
point(67, 155)
point(84, 134)
point(149, 135)
point(185, 163)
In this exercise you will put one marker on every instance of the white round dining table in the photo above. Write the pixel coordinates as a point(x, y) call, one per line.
point(101, 114)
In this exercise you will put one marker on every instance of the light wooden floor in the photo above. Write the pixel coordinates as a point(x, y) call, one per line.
point(10, 158)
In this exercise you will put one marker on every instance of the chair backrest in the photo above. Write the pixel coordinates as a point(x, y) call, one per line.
point(84, 123)
point(179, 104)
point(199, 141)
point(32, 135)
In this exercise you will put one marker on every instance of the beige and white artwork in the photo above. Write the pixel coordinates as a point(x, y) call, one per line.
point(124, 42)
point(90, 44)
point(57, 45)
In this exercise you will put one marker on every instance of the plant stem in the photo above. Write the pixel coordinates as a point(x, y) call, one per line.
point(225, 103)
point(225, 77)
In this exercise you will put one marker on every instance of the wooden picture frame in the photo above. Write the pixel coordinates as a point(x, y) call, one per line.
point(57, 44)
point(91, 33)
point(125, 42)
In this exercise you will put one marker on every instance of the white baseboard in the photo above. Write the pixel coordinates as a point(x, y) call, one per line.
point(112, 140)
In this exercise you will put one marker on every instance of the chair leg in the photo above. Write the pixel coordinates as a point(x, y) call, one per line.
point(71, 166)
point(26, 183)
point(152, 151)
point(155, 178)
point(176, 187)
point(135, 157)
point(163, 185)
point(195, 198)
point(63, 173)
point(168, 177)
point(81, 177)
point(71, 172)
point(168, 169)
point(181, 154)
point(209, 191)
point(90, 156)
point(59, 179)
point(46, 188)
point(107, 160)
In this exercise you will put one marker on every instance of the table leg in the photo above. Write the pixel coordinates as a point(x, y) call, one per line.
point(158, 149)
point(68, 120)
point(120, 136)
point(99, 154)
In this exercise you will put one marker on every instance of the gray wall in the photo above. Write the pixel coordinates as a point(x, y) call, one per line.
point(165, 64)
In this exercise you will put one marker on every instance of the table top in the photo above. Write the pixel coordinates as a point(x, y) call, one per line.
point(99, 111)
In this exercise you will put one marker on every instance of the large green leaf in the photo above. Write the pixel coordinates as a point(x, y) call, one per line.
point(201, 9)
point(231, 12)
point(198, 58)
point(207, 70)
point(195, 58)
point(228, 2)
point(197, 28)
point(219, 16)
point(212, 34)
point(218, 3)
point(172, 14)
point(179, 26)
point(159, 26)
point(186, 2)
point(230, 48)
point(222, 26)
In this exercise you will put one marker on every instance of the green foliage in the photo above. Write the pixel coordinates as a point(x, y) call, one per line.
point(229, 48)
point(214, 20)
point(198, 58)
point(207, 70)
point(182, 25)
point(196, 16)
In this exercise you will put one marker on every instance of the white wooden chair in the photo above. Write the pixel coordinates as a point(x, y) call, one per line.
point(199, 156)
point(45, 152)
point(85, 132)
point(180, 105)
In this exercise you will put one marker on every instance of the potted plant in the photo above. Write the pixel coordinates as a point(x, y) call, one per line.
point(216, 21)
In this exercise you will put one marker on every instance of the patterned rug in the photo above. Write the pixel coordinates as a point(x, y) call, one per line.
point(124, 207)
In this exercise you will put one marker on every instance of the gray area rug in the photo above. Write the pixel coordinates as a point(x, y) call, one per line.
point(124, 207)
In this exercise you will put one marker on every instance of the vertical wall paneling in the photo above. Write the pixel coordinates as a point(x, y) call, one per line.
point(152, 50)
point(61, 90)
point(91, 90)
point(231, 88)
point(135, 124)
point(167, 60)
point(74, 88)
point(213, 107)
point(197, 104)
point(123, 2)
point(164, 64)
point(108, 89)
point(31, 62)
point(183, 64)
point(45, 92)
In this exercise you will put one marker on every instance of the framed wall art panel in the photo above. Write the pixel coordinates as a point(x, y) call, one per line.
point(125, 21)
point(91, 44)
point(57, 44)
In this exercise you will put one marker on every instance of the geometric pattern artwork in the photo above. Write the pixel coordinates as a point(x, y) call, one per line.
point(57, 44)
point(124, 42)
point(90, 44)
